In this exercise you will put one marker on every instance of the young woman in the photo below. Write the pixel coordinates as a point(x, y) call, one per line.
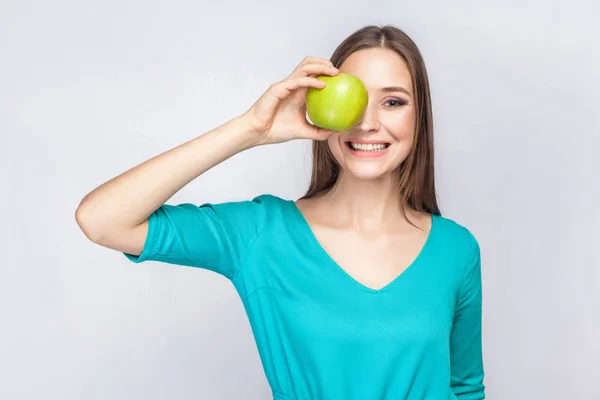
point(360, 290)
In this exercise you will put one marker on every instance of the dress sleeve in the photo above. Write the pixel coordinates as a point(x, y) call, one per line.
point(465, 341)
point(217, 237)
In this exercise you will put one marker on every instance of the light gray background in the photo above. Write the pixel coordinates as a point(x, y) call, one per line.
point(90, 89)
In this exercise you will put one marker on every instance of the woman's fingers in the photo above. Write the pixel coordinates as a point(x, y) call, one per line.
point(312, 60)
point(284, 88)
point(315, 70)
point(315, 133)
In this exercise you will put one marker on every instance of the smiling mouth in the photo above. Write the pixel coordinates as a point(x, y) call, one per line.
point(370, 147)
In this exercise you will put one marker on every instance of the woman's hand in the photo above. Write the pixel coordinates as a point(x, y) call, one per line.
point(279, 114)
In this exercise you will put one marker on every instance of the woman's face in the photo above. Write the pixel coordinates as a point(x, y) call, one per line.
point(384, 137)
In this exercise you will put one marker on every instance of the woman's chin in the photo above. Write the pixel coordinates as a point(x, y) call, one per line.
point(367, 173)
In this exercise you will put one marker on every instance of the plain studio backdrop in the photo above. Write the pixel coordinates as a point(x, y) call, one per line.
point(91, 89)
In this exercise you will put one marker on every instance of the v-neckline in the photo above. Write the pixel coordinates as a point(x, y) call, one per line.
point(316, 244)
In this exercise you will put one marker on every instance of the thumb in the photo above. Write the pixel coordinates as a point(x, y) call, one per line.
point(315, 132)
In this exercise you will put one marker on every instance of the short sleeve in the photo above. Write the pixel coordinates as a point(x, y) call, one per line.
point(216, 237)
point(466, 338)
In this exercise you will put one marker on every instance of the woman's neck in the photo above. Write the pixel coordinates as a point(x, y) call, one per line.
point(367, 205)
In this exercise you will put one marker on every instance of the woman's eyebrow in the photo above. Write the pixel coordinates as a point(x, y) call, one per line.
point(394, 89)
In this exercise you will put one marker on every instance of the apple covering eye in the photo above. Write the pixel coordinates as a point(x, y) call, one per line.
point(338, 106)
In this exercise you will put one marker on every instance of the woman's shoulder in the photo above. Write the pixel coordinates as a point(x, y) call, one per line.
point(270, 199)
point(456, 234)
point(271, 204)
point(265, 200)
point(262, 206)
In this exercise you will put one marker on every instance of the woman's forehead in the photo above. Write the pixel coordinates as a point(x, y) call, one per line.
point(378, 69)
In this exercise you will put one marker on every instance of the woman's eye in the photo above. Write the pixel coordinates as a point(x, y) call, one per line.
point(395, 103)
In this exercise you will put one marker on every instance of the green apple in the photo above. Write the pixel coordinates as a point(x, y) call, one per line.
point(338, 106)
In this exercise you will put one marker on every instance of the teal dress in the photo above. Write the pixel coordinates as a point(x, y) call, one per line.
point(321, 334)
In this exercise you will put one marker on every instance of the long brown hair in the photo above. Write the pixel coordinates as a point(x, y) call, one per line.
point(416, 181)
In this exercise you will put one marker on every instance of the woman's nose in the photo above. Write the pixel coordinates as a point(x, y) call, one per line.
point(369, 121)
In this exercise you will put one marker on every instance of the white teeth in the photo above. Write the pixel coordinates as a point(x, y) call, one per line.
point(367, 147)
